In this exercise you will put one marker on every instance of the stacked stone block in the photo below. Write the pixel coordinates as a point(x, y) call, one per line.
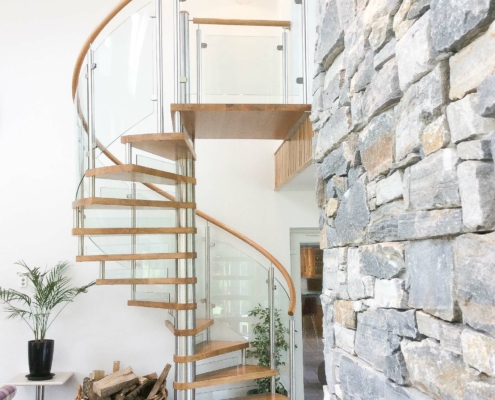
point(404, 115)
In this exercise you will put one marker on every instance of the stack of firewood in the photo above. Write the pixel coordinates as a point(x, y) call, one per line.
point(124, 385)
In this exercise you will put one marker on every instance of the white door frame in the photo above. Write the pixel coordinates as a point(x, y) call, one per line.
point(297, 237)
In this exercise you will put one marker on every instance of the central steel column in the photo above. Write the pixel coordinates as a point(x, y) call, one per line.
point(186, 218)
point(186, 268)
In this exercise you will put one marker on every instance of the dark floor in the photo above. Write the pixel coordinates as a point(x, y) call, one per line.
point(313, 356)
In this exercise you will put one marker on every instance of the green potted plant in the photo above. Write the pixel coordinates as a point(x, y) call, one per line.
point(49, 290)
point(260, 347)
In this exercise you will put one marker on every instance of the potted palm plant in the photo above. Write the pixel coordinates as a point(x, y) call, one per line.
point(260, 347)
point(50, 289)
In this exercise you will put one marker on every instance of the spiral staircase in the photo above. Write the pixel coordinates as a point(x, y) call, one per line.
point(153, 248)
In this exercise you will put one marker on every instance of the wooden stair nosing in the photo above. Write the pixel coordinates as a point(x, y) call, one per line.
point(132, 257)
point(211, 349)
point(147, 281)
point(104, 202)
point(164, 145)
point(264, 396)
point(158, 304)
point(201, 325)
point(138, 173)
point(223, 376)
point(131, 231)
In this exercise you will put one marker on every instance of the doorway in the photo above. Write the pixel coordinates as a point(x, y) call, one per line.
point(307, 273)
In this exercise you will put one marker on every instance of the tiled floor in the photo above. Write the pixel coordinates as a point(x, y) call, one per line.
point(313, 356)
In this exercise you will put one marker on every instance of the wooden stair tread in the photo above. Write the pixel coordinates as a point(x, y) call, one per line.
point(159, 304)
point(201, 325)
point(103, 202)
point(166, 145)
point(131, 231)
point(132, 257)
point(147, 281)
point(239, 373)
point(265, 396)
point(242, 121)
point(138, 173)
point(211, 349)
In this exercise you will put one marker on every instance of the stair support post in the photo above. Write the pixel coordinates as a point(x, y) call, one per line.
point(159, 66)
point(285, 65)
point(271, 305)
point(304, 20)
point(292, 347)
point(102, 269)
point(91, 119)
point(199, 64)
point(208, 278)
point(185, 293)
point(133, 238)
point(185, 73)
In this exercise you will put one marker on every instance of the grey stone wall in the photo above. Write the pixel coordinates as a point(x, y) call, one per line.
point(404, 110)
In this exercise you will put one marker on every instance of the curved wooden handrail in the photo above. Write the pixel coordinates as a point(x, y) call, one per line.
point(90, 39)
point(221, 225)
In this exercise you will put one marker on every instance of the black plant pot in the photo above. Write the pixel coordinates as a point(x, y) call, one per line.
point(40, 355)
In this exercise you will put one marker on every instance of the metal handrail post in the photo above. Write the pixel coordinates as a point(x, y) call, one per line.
point(271, 303)
point(208, 277)
point(199, 64)
point(185, 89)
point(285, 66)
point(159, 65)
point(304, 20)
point(292, 347)
point(133, 242)
point(91, 120)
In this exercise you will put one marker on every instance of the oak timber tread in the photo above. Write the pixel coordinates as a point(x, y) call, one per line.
point(201, 325)
point(265, 396)
point(241, 22)
point(242, 121)
point(167, 145)
point(147, 281)
point(239, 373)
point(131, 231)
point(211, 349)
point(138, 173)
point(103, 202)
point(132, 257)
point(159, 304)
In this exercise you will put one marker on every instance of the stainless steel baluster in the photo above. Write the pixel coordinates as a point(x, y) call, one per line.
point(271, 305)
point(199, 64)
point(292, 347)
point(285, 65)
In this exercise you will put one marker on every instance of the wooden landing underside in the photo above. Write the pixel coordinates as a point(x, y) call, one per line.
point(242, 121)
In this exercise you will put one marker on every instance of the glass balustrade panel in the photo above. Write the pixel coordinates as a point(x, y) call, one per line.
point(242, 69)
point(238, 286)
point(123, 76)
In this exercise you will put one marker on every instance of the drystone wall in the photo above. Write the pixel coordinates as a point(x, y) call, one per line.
point(404, 110)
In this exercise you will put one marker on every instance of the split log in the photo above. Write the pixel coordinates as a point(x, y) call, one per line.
point(144, 388)
point(97, 375)
point(159, 382)
point(116, 366)
point(79, 393)
point(115, 382)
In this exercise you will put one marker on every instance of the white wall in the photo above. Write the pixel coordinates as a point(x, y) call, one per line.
point(39, 42)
